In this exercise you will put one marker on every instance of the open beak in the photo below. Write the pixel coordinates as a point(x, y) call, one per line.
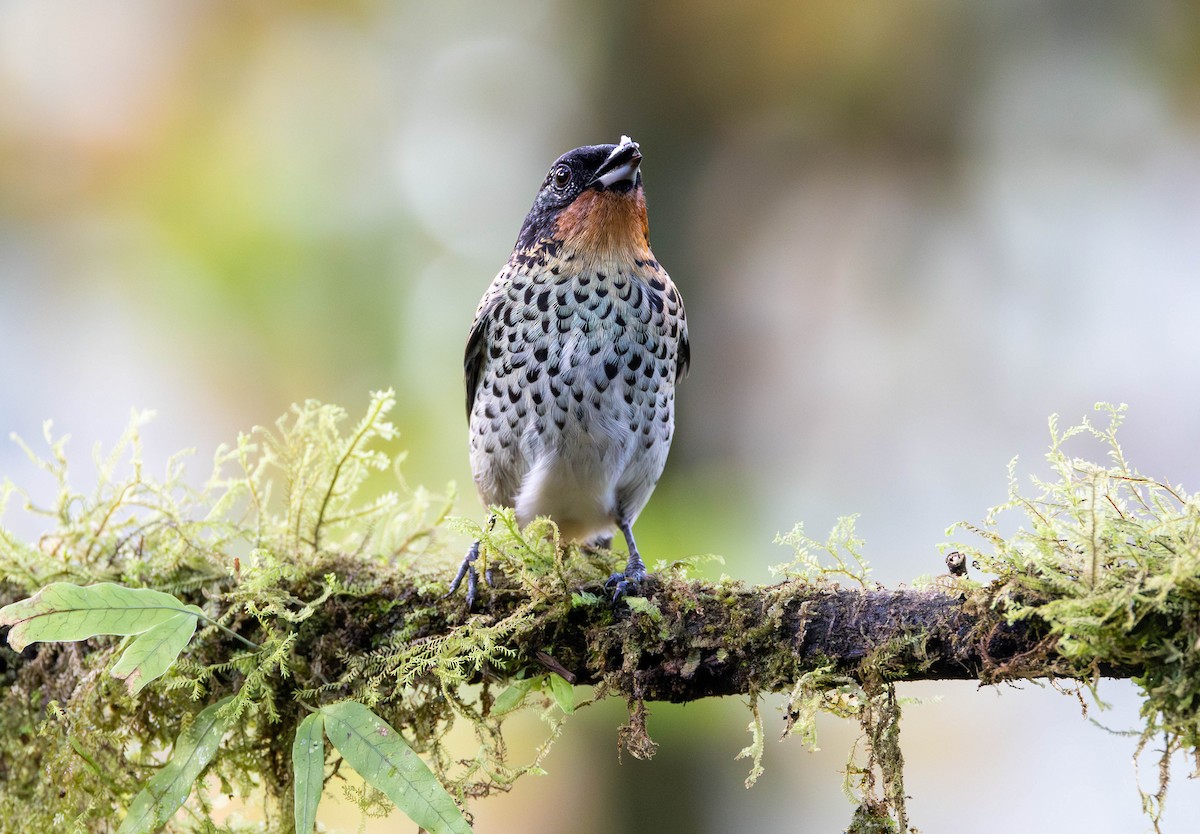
point(621, 167)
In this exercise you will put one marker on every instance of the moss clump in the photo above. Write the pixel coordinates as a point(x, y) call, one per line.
point(297, 536)
point(305, 543)
point(1106, 566)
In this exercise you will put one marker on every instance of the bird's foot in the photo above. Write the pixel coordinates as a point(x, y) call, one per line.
point(630, 582)
point(467, 571)
point(627, 583)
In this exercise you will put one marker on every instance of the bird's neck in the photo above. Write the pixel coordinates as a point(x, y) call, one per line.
point(603, 226)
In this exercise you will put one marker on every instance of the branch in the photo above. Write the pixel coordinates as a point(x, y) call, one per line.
point(1100, 579)
point(695, 639)
point(699, 639)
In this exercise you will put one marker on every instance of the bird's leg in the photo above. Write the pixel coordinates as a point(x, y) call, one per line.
point(489, 573)
point(467, 569)
point(629, 582)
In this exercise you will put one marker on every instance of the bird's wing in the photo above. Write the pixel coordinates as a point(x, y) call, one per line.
point(683, 359)
point(475, 358)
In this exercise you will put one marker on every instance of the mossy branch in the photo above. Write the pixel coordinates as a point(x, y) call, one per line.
point(696, 639)
point(318, 585)
point(691, 639)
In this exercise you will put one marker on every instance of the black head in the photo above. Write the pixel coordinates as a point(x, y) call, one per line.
point(598, 168)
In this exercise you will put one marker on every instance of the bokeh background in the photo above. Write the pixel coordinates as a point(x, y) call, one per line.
point(906, 233)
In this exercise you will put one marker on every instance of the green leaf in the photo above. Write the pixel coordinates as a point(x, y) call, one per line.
point(563, 692)
point(308, 765)
point(168, 789)
point(66, 612)
point(149, 655)
point(387, 763)
point(513, 696)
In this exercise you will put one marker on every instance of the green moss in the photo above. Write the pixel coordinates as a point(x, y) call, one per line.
point(295, 537)
point(297, 541)
point(1106, 566)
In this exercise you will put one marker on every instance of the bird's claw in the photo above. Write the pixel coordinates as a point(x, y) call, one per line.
point(626, 583)
point(467, 571)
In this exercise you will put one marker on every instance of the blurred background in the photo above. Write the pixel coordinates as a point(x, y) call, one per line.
point(906, 234)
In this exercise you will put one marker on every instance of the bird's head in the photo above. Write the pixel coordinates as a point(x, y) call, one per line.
point(592, 204)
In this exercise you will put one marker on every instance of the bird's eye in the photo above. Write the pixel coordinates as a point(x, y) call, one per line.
point(560, 176)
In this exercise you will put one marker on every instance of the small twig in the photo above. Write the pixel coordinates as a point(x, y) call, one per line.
point(554, 666)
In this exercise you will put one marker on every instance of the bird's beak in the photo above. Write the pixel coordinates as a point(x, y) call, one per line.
point(621, 165)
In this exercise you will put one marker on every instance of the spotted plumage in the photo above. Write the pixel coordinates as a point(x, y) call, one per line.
point(573, 357)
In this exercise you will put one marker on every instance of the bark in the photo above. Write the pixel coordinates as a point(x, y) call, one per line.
point(696, 639)
point(704, 639)
point(762, 639)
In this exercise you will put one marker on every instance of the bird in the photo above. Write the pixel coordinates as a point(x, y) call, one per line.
point(572, 360)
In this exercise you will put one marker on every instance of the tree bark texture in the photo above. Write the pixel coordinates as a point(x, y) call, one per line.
point(702, 639)
point(695, 639)
point(734, 640)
